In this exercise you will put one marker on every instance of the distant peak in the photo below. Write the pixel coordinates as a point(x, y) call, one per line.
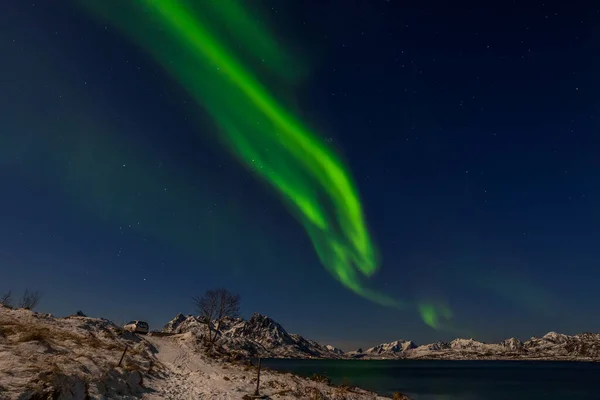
point(552, 334)
point(259, 317)
point(334, 349)
point(256, 317)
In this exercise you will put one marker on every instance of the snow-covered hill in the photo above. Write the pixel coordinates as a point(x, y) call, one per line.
point(69, 358)
point(258, 336)
point(262, 336)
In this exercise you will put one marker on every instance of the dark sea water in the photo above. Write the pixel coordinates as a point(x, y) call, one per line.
point(465, 380)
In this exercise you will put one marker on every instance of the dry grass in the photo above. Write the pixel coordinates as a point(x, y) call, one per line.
point(48, 356)
point(341, 390)
point(139, 349)
point(314, 393)
point(46, 377)
point(33, 334)
point(93, 341)
point(53, 369)
point(283, 392)
point(320, 378)
point(130, 365)
point(9, 328)
point(30, 332)
point(118, 330)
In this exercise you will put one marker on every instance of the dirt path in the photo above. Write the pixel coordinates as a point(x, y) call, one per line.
point(185, 373)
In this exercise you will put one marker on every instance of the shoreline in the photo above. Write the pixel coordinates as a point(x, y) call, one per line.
point(541, 359)
point(407, 374)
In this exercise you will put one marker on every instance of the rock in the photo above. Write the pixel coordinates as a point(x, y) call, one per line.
point(135, 380)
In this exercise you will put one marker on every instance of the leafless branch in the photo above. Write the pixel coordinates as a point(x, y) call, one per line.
point(6, 299)
point(206, 307)
point(216, 305)
point(30, 300)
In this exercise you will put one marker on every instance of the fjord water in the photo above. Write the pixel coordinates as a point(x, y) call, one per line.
point(454, 380)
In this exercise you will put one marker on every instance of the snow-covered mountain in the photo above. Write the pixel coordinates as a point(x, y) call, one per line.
point(334, 349)
point(258, 336)
point(262, 336)
point(552, 346)
point(388, 349)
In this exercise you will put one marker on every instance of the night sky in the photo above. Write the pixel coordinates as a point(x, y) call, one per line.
point(471, 133)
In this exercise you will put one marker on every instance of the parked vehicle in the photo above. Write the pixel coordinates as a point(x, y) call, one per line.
point(137, 327)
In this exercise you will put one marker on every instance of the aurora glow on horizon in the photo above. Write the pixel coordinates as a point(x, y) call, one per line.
point(259, 131)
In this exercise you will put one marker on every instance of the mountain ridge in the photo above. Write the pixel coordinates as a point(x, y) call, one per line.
point(261, 336)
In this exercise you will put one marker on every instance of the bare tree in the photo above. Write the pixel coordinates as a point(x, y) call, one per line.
point(206, 307)
point(228, 305)
point(216, 305)
point(6, 299)
point(30, 300)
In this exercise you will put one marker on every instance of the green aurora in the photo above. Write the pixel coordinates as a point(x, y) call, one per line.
point(195, 43)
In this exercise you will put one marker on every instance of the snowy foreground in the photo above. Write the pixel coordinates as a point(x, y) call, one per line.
point(77, 357)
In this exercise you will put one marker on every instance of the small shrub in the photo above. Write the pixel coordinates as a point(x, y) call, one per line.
point(80, 313)
point(320, 378)
point(64, 336)
point(400, 396)
point(30, 300)
point(6, 299)
point(314, 393)
point(118, 330)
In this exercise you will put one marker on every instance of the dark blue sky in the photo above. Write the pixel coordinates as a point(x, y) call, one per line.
point(472, 134)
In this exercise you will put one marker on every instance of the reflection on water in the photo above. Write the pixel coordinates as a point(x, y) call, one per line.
point(464, 380)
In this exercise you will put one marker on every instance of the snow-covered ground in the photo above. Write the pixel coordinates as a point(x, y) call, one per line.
point(189, 374)
point(40, 354)
point(70, 358)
